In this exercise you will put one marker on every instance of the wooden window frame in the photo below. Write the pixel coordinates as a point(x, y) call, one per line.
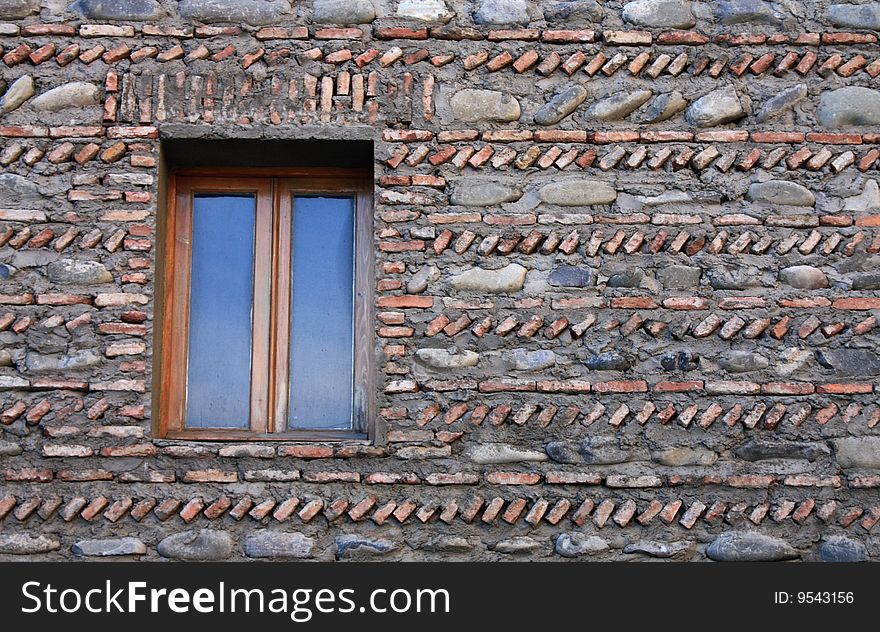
point(274, 190)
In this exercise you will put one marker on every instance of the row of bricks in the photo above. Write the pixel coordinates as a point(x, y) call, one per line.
point(35, 412)
point(446, 33)
point(80, 153)
point(534, 512)
point(664, 157)
point(662, 412)
point(499, 478)
point(46, 237)
point(598, 242)
point(131, 324)
point(724, 327)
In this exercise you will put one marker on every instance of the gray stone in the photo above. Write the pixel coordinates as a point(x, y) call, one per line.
point(851, 105)
point(716, 108)
point(608, 361)
point(196, 544)
point(561, 105)
point(849, 362)
point(745, 11)
point(781, 192)
point(664, 107)
point(77, 94)
point(497, 453)
point(443, 359)
point(502, 12)
point(803, 277)
point(355, 546)
point(279, 544)
point(120, 10)
point(570, 276)
point(26, 544)
point(77, 272)
point(855, 16)
point(3, 85)
point(109, 547)
point(17, 9)
point(870, 281)
point(10, 448)
point(684, 456)
point(471, 105)
point(482, 192)
point(522, 360)
point(724, 278)
point(13, 383)
point(631, 277)
point(508, 279)
point(839, 548)
point(857, 452)
point(425, 10)
point(867, 200)
point(748, 546)
point(657, 549)
point(253, 12)
point(577, 544)
point(680, 360)
point(763, 450)
point(47, 363)
point(676, 277)
point(517, 546)
point(663, 14)
point(16, 190)
point(577, 192)
point(619, 105)
point(20, 91)
point(344, 12)
point(586, 10)
point(447, 544)
point(419, 282)
point(782, 102)
point(742, 361)
point(595, 450)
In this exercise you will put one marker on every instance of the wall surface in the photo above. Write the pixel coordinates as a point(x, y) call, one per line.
point(626, 285)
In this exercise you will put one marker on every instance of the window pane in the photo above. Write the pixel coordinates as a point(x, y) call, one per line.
point(321, 313)
point(218, 375)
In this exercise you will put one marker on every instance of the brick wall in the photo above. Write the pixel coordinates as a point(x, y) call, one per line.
point(626, 289)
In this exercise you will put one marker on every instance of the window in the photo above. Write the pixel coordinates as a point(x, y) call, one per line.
point(268, 299)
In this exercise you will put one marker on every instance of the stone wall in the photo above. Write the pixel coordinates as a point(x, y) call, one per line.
point(626, 288)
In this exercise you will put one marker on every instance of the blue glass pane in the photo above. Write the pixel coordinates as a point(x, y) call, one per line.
point(322, 308)
point(218, 372)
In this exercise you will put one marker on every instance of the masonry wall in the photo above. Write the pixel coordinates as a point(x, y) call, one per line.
point(625, 288)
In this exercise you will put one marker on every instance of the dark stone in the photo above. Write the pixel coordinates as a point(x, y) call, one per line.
point(748, 546)
point(254, 12)
point(870, 281)
point(588, 10)
point(17, 9)
point(745, 11)
point(676, 277)
point(16, 190)
point(619, 105)
point(782, 102)
point(716, 108)
point(602, 451)
point(849, 362)
point(610, 361)
point(197, 544)
point(758, 450)
point(680, 361)
point(121, 10)
point(731, 279)
point(855, 16)
point(850, 105)
point(839, 548)
point(626, 278)
point(742, 361)
point(561, 105)
point(351, 545)
point(562, 452)
point(570, 276)
point(664, 107)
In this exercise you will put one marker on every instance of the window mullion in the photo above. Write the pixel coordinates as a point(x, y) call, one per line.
point(262, 309)
point(281, 305)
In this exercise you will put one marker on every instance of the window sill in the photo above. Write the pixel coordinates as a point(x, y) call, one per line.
point(215, 434)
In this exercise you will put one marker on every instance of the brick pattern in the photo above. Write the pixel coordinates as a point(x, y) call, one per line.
point(606, 395)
